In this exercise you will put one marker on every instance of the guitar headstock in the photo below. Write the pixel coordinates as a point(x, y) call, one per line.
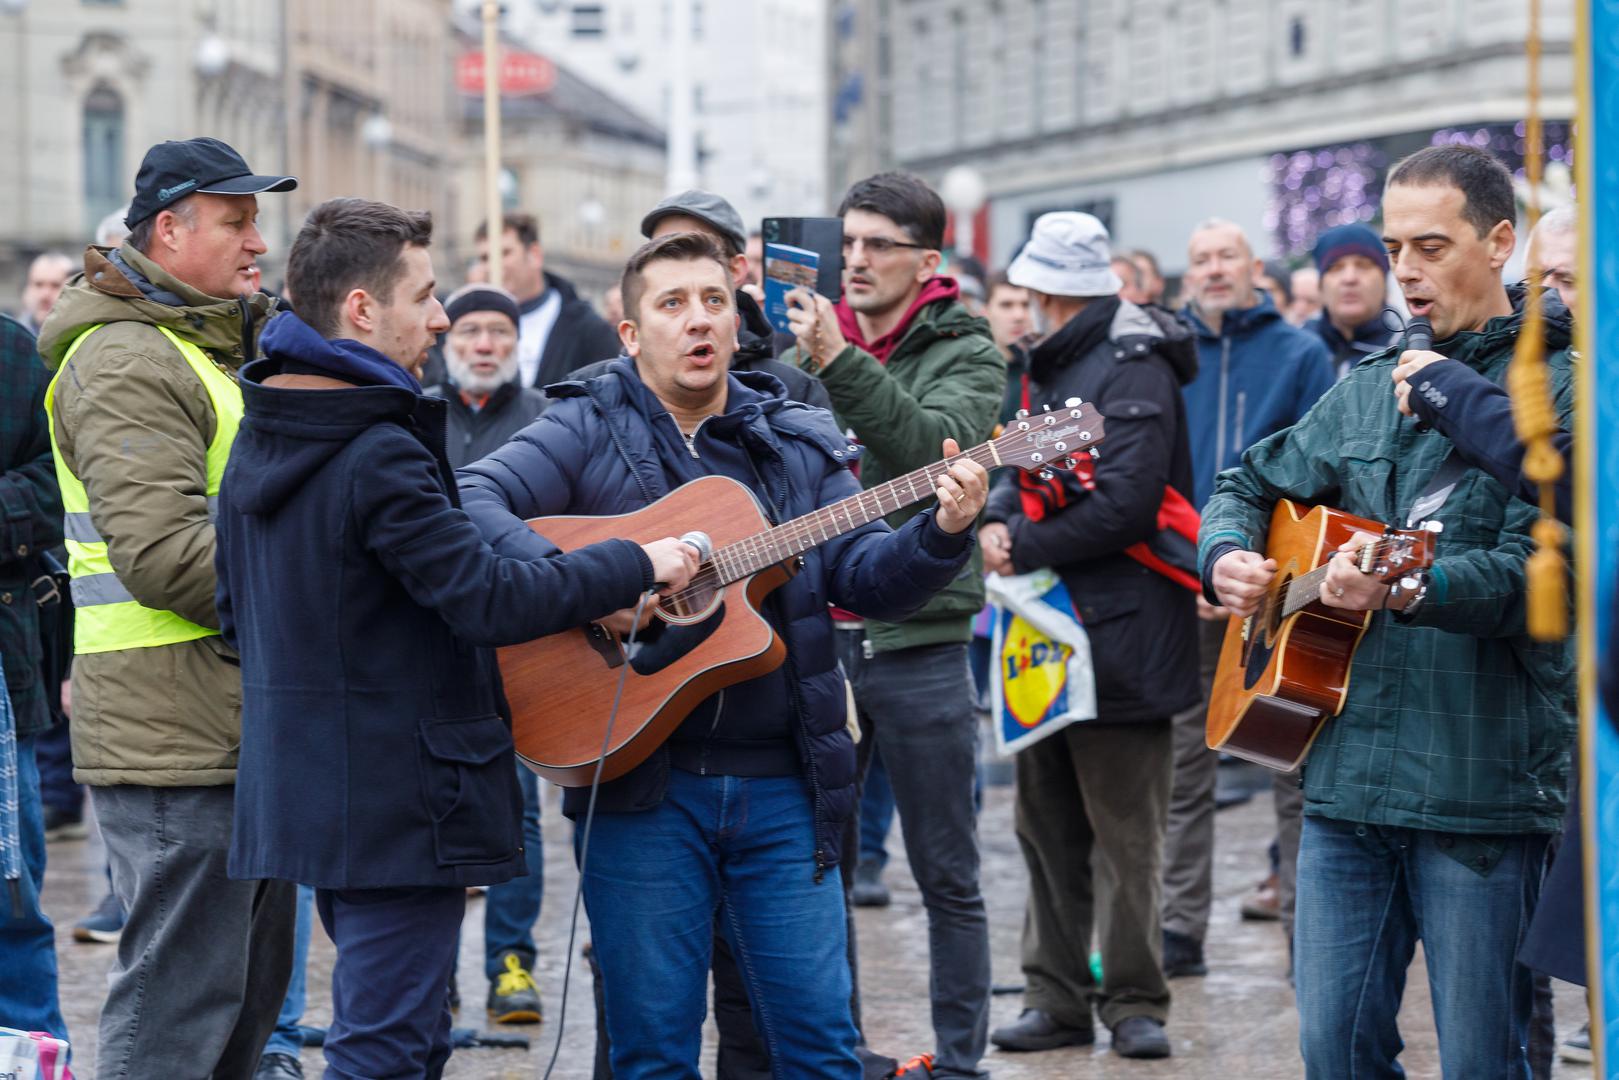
point(1050, 439)
point(1399, 552)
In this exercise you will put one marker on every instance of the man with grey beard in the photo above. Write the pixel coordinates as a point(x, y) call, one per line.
point(487, 406)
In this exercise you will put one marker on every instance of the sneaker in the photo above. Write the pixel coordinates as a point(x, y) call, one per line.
point(1140, 1037)
point(514, 999)
point(1183, 956)
point(1264, 904)
point(278, 1067)
point(868, 889)
point(921, 1063)
point(65, 824)
point(1034, 1029)
point(104, 925)
point(1577, 1047)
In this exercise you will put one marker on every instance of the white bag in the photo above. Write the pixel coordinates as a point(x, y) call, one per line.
point(1044, 680)
point(32, 1056)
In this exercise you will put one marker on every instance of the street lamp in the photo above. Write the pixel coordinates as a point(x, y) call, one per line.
point(963, 191)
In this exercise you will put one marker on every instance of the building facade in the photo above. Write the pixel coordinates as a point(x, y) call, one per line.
point(1154, 114)
point(750, 78)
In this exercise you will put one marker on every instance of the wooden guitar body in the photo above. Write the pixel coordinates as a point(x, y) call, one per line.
point(561, 688)
point(1280, 678)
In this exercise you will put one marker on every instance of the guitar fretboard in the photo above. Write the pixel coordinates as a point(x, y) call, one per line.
point(746, 557)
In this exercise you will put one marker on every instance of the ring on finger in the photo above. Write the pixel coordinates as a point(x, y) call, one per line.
point(1339, 593)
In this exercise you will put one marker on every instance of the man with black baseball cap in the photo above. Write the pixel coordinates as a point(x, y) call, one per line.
point(143, 410)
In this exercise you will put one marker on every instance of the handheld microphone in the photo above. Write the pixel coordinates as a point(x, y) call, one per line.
point(1419, 334)
point(700, 542)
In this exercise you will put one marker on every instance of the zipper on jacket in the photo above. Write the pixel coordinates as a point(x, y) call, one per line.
point(1242, 402)
point(1219, 427)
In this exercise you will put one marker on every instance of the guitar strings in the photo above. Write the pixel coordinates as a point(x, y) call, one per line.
point(1306, 588)
point(799, 534)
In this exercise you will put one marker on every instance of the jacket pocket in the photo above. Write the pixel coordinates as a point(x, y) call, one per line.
point(469, 783)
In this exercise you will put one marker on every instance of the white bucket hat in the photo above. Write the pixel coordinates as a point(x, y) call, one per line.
point(1067, 255)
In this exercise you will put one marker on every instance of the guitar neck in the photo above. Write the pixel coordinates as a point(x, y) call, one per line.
point(748, 556)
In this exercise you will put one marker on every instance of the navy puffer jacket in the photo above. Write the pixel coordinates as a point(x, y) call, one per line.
point(608, 446)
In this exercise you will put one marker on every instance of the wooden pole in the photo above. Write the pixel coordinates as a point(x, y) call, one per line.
point(491, 138)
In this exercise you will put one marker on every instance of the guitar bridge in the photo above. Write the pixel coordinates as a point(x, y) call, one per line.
point(1247, 625)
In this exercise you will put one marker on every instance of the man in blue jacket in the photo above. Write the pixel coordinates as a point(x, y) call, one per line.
point(360, 598)
point(741, 812)
point(1255, 375)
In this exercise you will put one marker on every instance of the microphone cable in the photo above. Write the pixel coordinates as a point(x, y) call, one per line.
point(584, 836)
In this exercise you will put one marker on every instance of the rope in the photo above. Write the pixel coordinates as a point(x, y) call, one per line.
point(1533, 410)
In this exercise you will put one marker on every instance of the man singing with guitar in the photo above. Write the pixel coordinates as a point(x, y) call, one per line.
point(741, 810)
point(1430, 798)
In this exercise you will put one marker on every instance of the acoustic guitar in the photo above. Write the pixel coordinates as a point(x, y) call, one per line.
point(710, 635)
point(1284, 670)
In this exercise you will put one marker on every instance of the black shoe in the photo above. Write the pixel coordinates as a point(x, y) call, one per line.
point(514, 999)
point(278, 1067)
point(868, 889)
point(1182, 956)
point(65, 824)
point(1140, 1037)
point(1036, 1030)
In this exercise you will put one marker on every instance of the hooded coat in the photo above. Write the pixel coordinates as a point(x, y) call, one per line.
point(1256, 375)
point(608, 446)
point(1131, 363)
point(168, 716)
point(364, 603)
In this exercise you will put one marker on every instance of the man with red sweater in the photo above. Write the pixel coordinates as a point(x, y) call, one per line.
point(906, 367)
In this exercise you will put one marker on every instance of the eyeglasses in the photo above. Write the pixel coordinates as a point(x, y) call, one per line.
point(467, 332)
point(878, 246)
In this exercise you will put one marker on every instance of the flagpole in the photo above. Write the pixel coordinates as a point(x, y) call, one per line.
point(491, 137)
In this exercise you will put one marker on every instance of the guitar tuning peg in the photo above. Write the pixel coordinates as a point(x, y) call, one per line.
point(1022, 414)
point(1072, 403)
point(1069, 463)
point(1095, 452)
point(1047, 474)
point(1047, 408)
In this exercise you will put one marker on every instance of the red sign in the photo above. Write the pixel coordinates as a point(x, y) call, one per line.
point(521, 73)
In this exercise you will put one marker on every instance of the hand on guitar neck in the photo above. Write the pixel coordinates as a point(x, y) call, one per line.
point(1350, 588)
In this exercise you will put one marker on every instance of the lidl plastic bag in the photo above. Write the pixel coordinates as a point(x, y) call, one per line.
point(32, 1055)
point(1044, 680)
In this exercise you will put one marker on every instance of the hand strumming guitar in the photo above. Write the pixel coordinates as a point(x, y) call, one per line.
point(1240, 580)
point(673, 563)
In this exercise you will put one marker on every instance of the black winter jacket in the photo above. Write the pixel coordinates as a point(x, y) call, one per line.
point(608, 446)
point(475, 433)
point(376, 752)
point(1130, 363)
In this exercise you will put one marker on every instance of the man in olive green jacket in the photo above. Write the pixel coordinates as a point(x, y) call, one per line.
point(906, 367)
point(146, 344)
point(1430, 798)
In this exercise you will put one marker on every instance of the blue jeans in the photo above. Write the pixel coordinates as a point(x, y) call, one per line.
point(1366, 895)
point(513, 907)
point(876, 813)
point(54, 756)
point(288, 1037)
point(741, 846)
point(27, 939)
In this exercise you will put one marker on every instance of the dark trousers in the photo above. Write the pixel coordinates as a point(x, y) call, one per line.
point(56, 787)
point(390, 987)
point(1091, 804)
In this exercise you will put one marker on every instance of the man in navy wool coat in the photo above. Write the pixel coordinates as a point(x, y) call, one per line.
point(739, 814)
point(376, 760)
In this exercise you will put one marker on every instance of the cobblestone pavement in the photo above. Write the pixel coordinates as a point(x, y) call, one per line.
point(1238, 1022)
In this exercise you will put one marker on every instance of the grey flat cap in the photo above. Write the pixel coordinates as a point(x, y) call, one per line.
point(704, 206)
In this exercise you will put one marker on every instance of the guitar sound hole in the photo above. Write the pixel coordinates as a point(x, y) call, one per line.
point(691, 603)
point(1261, 643)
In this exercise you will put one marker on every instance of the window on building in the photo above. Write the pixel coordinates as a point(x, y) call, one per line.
point(103, 132)
point(589, 20)
point(1296, 38)
point(697, 20)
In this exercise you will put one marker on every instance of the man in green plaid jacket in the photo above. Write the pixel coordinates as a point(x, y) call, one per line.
point(1430, 798)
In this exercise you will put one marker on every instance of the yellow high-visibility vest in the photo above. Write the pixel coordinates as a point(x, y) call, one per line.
point(106, 617)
